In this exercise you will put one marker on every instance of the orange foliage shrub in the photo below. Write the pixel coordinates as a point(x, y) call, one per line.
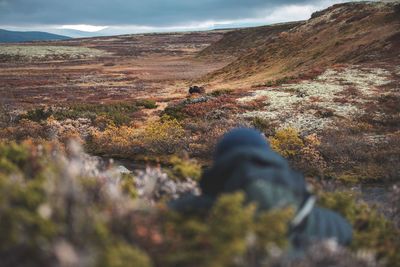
point(164, 136)
point(114, 141)
point(25, 129)
point(310, 159)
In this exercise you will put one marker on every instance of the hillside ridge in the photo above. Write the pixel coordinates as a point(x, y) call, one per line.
point(348, 33)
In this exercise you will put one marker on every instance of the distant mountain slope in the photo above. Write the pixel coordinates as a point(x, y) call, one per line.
point(344, 33)
point(15, 37)
point(238, 42)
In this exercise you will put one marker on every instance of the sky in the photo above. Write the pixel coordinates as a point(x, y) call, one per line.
point(108, 17)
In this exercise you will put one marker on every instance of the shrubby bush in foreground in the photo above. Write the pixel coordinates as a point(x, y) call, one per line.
point(60, 209)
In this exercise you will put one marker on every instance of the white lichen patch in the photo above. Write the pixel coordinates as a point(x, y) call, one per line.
point(313, 105)
point(46, 51)
point(364, 79)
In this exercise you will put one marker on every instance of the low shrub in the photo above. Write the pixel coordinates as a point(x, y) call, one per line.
point(287, 142)
point(165, 136)
point(146, 103)
point(184, 168)
point(24, 129)
point(53, 214)
point(220, 238)
point(175, 110)
point(59, 210)
point(202, 108)
point(310, 160)
point(118, 113)
point(372, 231)
point(256, 104)
point(38, 115)
point(355, 158)
point(114, 141)
point(220, 92)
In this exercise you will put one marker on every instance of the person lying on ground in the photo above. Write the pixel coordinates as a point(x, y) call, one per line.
point(244, 161)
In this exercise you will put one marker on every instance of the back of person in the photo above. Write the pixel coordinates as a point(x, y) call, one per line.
point(243, 161)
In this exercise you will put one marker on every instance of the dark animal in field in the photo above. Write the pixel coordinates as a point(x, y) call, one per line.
point(196, 90)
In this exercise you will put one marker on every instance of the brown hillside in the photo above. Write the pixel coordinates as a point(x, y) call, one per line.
point(239, 42)
point(344, 33)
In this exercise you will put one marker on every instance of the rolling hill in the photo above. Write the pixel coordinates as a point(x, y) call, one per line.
point(241, 41)
point(15, 37)
point(349, 33)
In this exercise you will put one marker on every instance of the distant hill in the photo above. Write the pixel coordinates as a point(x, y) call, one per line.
point(349, 33)
point(15, 37)
point(241, 41)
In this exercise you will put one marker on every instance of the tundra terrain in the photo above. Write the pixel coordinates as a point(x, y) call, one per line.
point(325, 92)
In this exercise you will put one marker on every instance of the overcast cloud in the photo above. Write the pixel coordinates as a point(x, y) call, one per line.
point(153, 15)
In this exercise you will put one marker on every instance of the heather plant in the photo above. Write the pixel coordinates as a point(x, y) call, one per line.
point(354, 158)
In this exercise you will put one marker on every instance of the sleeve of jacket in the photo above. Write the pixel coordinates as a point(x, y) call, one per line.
point(192, 204)
point(323, 224)
point(268, 195)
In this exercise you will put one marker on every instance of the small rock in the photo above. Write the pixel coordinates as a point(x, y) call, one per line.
point(196, 90)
